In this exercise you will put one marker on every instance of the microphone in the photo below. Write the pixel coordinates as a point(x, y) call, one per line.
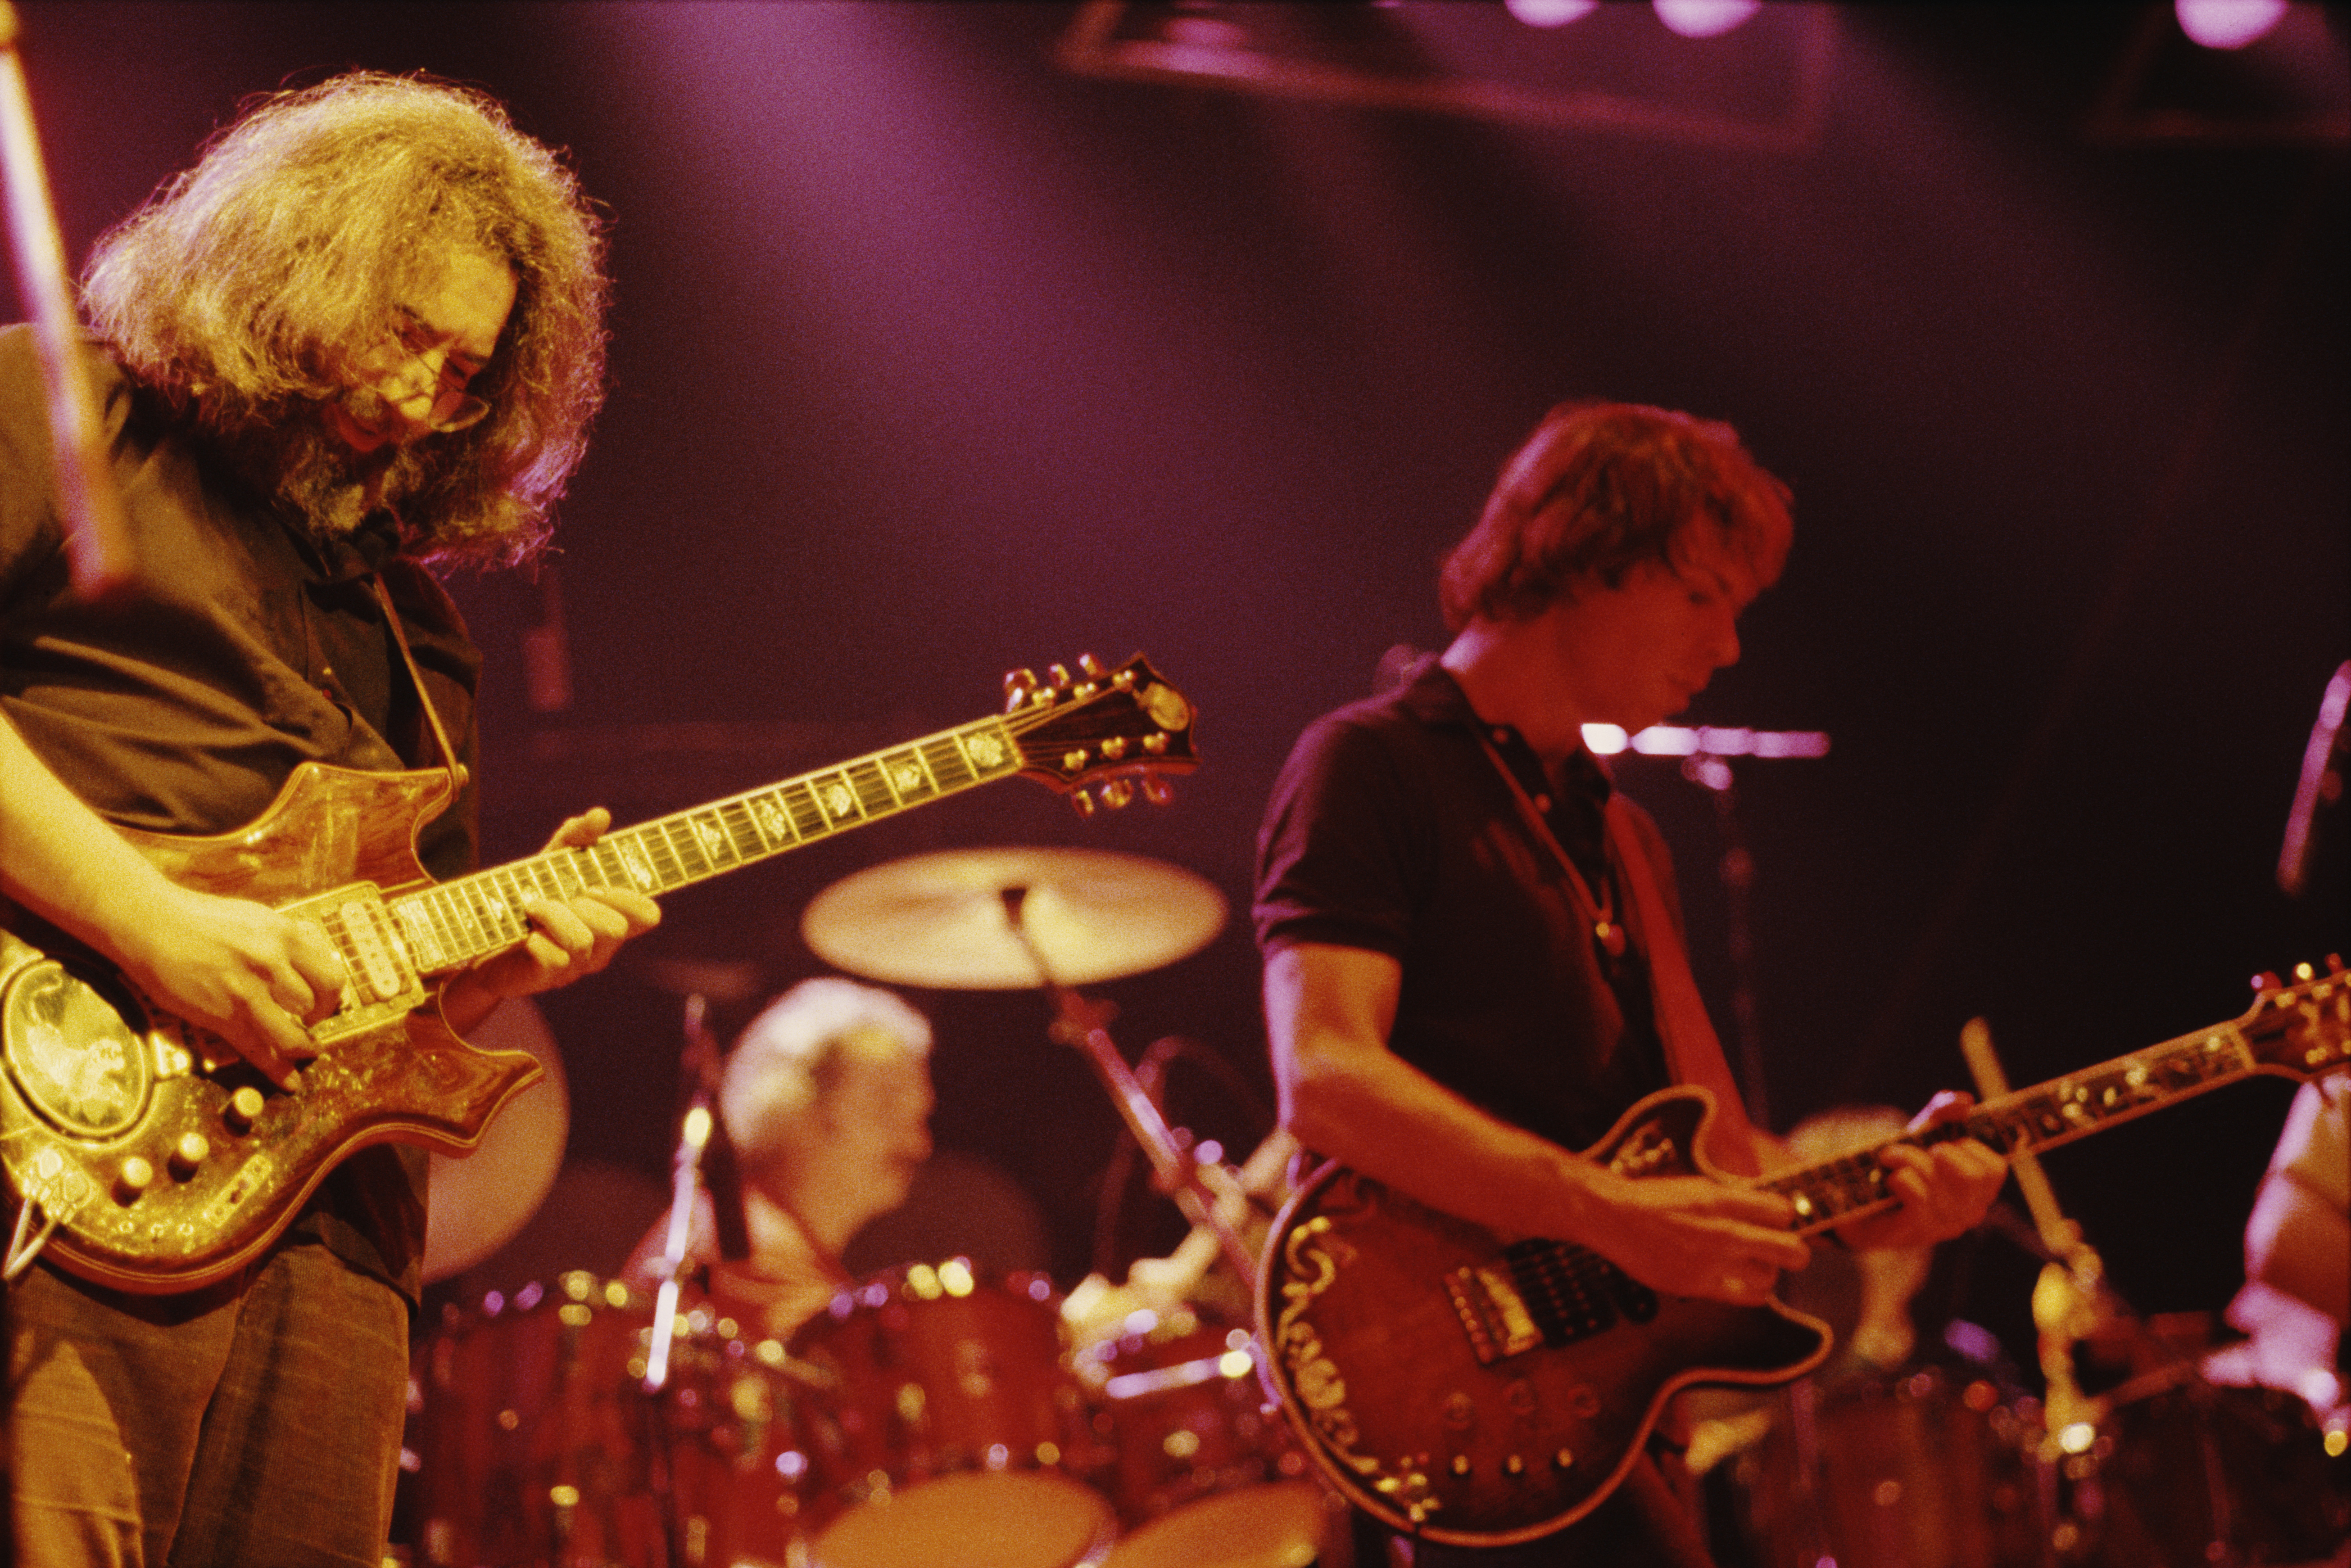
point(2322, 784)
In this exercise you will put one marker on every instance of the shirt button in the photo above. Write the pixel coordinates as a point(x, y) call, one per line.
point(1501, 738)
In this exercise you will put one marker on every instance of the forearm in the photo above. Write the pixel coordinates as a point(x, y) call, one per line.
point(60, 860)
point(1379, 1115)
point(1346, 1095)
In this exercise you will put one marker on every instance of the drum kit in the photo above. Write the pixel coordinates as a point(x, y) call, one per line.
point(933, 1414)
point(938, 1415)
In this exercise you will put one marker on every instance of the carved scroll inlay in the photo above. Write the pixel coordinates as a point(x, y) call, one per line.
point(1309, 1260)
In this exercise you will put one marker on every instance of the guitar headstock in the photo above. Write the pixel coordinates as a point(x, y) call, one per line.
point(1101, 736)
point(2303, 1029)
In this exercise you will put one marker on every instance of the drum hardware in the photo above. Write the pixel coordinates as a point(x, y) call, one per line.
point(1009, 919)
point(705, 1157)
point(1201, 1475)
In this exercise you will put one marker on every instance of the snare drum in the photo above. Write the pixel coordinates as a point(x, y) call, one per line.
point(531, 1441)
point(944, 1427)
point(1204, 1476)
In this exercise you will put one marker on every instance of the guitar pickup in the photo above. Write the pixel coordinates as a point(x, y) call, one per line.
point(382, 982)
point(1492, 1313)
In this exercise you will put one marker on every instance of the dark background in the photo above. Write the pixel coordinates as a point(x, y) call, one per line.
point(934, 359)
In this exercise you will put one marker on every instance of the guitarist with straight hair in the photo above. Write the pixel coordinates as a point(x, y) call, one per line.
point(1473, 952)
point(362, 339)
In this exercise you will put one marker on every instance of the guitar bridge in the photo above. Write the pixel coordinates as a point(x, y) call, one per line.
point(1492, 1313)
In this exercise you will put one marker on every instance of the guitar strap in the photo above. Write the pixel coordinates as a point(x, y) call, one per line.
point(456, 769)
point(1693, 1052)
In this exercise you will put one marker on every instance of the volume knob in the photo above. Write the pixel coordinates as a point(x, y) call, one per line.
point(189, 1153)
point(134, 1177)
point(243, 1109)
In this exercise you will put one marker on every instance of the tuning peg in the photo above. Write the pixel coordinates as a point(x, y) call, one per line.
point(1092, 666)
point(1156, 790)
point(1058, 676)
point(1118, 794)
point(1082, 802)
point(2335, 963)
point(1019, 686)
point(2267, 981)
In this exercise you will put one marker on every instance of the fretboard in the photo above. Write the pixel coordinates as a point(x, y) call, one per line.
point(2042, 1117)
point(469, 917)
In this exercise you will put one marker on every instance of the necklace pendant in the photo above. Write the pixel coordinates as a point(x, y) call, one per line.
point(1611, 937)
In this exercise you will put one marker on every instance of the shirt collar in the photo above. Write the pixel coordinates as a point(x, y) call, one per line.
point(1432, 695)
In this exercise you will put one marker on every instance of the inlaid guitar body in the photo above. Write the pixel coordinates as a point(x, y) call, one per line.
point(162, 1160)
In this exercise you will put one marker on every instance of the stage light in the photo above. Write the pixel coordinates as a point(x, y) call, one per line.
point(2227, 24)
point(1705, 18)
point(1550, 13)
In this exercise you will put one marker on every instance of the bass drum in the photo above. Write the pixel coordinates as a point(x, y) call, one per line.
point(2201, 1474)
point(943, 1427)
point(1204, 1475)
point(1925, 1468)
point(533, 1447)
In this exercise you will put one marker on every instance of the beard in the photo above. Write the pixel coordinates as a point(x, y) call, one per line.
point(298, 460)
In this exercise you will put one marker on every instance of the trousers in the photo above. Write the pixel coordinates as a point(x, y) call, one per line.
point(253, 1424)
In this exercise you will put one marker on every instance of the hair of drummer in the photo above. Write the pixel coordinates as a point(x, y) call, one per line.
point(793, 1053)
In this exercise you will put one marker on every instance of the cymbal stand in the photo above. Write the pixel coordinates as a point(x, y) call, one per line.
point(1085, 1024)
point(2069, 1298)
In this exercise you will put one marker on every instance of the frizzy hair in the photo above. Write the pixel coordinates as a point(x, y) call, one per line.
point(1599, 487)
point(246, 286)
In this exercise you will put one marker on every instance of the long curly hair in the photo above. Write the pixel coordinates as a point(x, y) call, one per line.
point(1599, 487)
point(244, 287)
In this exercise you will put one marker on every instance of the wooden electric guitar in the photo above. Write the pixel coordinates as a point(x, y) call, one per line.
point(164, 1161)
point(1477, 1393)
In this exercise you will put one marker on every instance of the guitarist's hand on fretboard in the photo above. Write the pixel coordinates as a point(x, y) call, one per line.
point(569, 938)
point(1946, 1188)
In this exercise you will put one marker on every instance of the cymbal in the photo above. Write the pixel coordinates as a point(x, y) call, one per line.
point(940, 919)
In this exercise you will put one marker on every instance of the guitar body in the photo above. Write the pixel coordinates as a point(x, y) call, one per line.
point(160, 1161)
point(102, 1092)
point(1477, 1393)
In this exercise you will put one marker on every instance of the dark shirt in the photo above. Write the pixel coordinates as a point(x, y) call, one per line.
point(1391, 829)
point(241, 649)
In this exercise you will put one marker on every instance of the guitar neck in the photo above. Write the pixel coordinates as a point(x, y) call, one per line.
point(2030, 1120)
point(469, 917)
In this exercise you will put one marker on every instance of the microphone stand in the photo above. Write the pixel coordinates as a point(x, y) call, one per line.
point(1084, 1025)
point(705, 1157)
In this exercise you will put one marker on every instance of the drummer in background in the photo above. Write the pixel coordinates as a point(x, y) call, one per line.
point(826, 1099)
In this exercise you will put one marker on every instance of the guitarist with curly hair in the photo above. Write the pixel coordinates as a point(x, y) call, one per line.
point(361, 340)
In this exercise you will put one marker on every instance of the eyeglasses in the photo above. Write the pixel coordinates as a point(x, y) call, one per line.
point(452, 407)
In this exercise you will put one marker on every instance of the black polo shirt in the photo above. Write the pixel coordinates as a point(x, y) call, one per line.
point(1391, 829)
